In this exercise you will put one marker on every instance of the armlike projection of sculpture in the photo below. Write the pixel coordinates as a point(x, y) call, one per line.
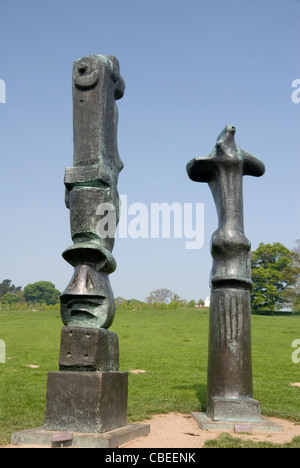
point(230, 387)
point(92, 182)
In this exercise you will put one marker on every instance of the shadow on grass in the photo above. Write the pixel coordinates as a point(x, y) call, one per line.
point(200, 391)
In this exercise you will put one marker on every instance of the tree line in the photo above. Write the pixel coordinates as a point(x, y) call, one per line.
point(275, 277)
point(161, 298)
point(41, 292)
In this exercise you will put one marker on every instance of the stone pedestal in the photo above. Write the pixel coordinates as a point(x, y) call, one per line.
point(87, 398)
point(40, 437)
point(88, 394)
point(234, 409)
point(207, 424)
point(86, 401)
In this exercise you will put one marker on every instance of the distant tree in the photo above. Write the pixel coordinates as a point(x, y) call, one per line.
point(159, 295)
point(21, 297)
point(6, 287)
point(42, 292)
point(9, 298)
point(274, 275)
point(119, 300)
point(192, 303)
point(292, 295)
point(181, 302)
point(135, 304)
point(175, 297)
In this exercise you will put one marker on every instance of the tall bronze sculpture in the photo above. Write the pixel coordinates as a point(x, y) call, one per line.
point(230, 389)
point(90, 183)
point(89, 352)
point(88, 395)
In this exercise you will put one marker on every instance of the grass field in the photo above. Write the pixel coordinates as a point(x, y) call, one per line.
point(170, 345)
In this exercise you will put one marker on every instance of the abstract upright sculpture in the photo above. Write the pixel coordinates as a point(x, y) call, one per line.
point(90, 184)
point(230, 389)
point(88, 395)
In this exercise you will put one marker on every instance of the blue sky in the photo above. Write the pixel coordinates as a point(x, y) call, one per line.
point(190, 67)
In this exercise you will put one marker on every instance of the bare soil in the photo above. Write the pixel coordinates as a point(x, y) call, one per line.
point(175, 430)
point(182, 431)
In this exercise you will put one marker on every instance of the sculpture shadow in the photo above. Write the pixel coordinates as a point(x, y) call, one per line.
point(200, 391)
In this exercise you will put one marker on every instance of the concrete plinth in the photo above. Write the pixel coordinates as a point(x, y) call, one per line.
point(40, 437)
point(234, 409)
point(85, 409)
point(92, 402)
point(205, 423)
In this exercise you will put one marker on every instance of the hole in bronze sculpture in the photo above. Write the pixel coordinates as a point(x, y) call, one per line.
point(82, 69)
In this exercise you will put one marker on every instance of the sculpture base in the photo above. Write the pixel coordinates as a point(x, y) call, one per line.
point(40, 437)
point(265, 425)
point(91, 402)
point(234, 409)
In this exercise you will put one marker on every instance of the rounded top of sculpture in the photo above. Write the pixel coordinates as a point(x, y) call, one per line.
point(88, 69)
point(86, 72)
point(228, 130)
point(226, 154)
point(225, 142)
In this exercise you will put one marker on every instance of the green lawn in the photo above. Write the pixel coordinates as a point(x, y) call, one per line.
point(170, 345)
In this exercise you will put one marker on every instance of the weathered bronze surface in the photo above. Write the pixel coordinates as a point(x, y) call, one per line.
point(89, 394)
point(88, 349)
point(230, 389)
point(91, 191)
point(86, 401)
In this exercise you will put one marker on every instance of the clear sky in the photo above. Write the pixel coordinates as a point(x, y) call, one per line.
point(190, 67)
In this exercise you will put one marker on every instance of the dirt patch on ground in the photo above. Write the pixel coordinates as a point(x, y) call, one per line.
point(176, 430)
point(182, 431)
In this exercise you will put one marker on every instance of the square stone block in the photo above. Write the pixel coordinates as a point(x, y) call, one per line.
point(39, 437)
point(207, 424)
point(86, 401)
point(88, 349)
point(234, 409)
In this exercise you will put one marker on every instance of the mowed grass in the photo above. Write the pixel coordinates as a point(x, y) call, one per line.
point(170, 345)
